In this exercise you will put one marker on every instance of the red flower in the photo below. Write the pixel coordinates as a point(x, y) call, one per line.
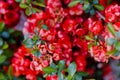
point(11, 18)
point(112, 12)
point(76, 10)
point(69, 25)
point(99, 53)
point(96, 27)
point(81, 63)
point(53, 77)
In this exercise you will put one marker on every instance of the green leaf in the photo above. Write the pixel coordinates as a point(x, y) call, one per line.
point(73, 3)
point(49, 70)
point(111, 41)
point(28, 11)
point(92, 11)
point(39, 78)
point(117, 46)
point(61, 65)
point(2, 76)
point(2, 58)
point(1, 41)
point(45, 75)
point(10, 75)
point(17, 0)
point(72, 68)
point(22, 5)
point(117, 53)
point(82, 73)
point(12, 41)
point(35, 9)
point(109, 2)
point(90, 45)
point(28, 1)
point(95, 1)
point(1, 51)
point(86, 5)
point(118, 34)
point(60, 76)
point(78, 76)
point(2, 25)
point(10, 31)
point(45, 27)
point(53, 65)
point(5, 46)
point(5, 34)
point(69, 77)
point(38, 4)
point(36, 53)
point(111, 52)
point(99, 7)
point(88, 38)
point(111, 29)
point(28, 43)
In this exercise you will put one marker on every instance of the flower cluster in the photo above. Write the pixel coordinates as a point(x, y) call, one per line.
point(61, 32)
point(9, 12)
point(63, 39)
point(21, 64)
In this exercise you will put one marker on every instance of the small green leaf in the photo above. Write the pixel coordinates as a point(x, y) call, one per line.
point(35, 9)
point(36, 53)
point(5, 46)
point(1, 41)
point(2, 76)
point(69, 77)
point(88, 38)
point(10, 75)
point(72, 69)
point(39, 78)
point(17, 0)
point(1, 51)
point(49, 70)
point(82, 73)
point(60, 76)
point(99, 7)
point(28, 43)
point(2, 25)
point(86, 5)
point(2, 58)
point(22, 5)
point(39, 4)
point(92, 11)
point(118, 34)
point(5, 34)
point(90, 45)
point(28, 11)
point(73, 3)
point(109, 2)
point(10, 31)
point(78, 76)
point(95, 1)
point(111, 29)
point(111, 52)
point(28, 1)
point(117, 53)
point(61, 65)
point(45, 75)
point(45, 27)
point(53, 65)
point(111, 41)
point(117, 46)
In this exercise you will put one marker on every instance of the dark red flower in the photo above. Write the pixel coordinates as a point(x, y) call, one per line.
point(81, 63)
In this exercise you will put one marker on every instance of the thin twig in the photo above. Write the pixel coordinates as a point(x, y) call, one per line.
point(101, 16)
